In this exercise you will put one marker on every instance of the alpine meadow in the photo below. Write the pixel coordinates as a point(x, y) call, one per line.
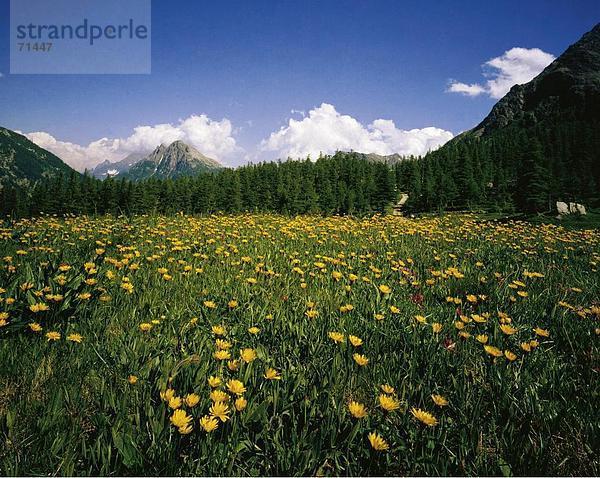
point(326, 297)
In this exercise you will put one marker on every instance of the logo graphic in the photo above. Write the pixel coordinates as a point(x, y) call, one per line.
point(80, 37)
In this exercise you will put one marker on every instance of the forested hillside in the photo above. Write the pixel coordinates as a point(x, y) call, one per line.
point(340, 184)
point(515, 168)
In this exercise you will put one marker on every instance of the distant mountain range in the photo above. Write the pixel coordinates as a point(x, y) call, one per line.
point(106, 168)
point(172, 161)
point(23, 162)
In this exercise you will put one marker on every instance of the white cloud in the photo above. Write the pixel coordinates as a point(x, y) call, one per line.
point(465, 89)
point(325, 130)
point(515, 67)
point(212, 138)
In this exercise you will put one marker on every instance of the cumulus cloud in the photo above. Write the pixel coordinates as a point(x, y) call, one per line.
point(325, 130)
point(515, 67)
point(466, 89)
point(213, 138)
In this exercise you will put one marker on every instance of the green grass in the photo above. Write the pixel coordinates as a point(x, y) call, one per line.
point(68, 408)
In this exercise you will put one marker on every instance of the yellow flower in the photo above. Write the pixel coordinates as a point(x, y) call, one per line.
point(41, 307)
point(145, 326)
point(354, 340)
point(337, 337)
point(35, 327)
point(424, 417)
point(127, 287)
point(388, 403)
point(191, 399)
point(481, 338)
point(525, 346)
point(220, 410)
point(186, 430)
point(236, 386)
point(541, 332)
point(254, 330)
point(180, 419)
point(218, 329)
point(509, 355)
point(436, 327)
point(219, 396)
point(311, 313)
point(394, 309)
point(357, 410)
point(361, 360)
point(52, 336)
point(214, 382)
point(493, 351)
point(209, 304)
point(75, 338)
point(209, 423)
point(232, 304)
point(377, 442)
point(388, 389)
point(233, 365)
point(248, 355)
point(240, 403)
point(175, 403)
point(384, 289)
point(132, 379)
point(507, 329)
point(272, 374)
point(222, 355)
point(379, 317)
point(439, 400)
point(167, 395)
point(223, 344)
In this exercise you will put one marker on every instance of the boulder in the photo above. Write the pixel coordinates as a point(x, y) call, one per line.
point(562, 208)
point(565, 209)
point(576, 208)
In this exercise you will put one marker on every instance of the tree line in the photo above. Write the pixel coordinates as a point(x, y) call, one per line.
point(513, 169)
point(340, 184)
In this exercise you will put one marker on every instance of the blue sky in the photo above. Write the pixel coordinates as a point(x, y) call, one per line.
point(251, 63)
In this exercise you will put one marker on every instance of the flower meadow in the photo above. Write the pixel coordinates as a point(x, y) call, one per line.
point(271, 345)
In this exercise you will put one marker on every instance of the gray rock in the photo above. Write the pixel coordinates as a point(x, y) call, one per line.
point(565, 209)
point(562, 208)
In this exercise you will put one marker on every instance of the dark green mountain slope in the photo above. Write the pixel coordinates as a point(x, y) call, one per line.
point(22, 162)
point(539, 144)
point(570, 84)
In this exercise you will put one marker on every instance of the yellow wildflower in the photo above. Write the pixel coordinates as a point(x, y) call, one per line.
point(377, 442)
point(424, 417)
point(357, 410)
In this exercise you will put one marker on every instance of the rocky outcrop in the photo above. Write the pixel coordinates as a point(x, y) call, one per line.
point(176, 160)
